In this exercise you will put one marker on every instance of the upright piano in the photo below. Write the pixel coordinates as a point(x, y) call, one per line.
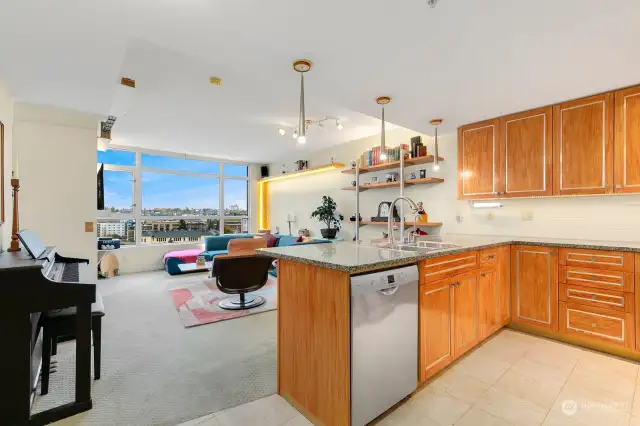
point(34, 280)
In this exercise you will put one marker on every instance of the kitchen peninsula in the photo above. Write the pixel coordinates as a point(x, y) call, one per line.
point(581, 292)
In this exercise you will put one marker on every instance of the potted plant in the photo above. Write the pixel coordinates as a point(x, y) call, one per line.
point(326, 212)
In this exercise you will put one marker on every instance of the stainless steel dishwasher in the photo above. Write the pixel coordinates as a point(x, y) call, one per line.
point(384, 341)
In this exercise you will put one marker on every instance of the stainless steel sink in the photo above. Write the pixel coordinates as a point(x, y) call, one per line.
point(436, 245)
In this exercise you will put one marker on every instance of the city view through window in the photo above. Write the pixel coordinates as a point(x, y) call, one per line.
point(180, 200)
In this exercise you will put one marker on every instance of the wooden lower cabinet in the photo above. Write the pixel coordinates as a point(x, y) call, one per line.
point(436, 315)
point(465, 313)
point(597, 324)
point(534, 286)
point(488, 303)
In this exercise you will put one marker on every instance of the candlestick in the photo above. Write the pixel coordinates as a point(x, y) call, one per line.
point(15, 243)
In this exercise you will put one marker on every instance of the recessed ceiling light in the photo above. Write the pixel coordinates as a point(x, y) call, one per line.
point(281, 131)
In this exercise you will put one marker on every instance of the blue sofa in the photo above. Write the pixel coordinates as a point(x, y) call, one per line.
point(213, 246)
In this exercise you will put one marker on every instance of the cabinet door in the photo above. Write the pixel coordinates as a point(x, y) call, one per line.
point(477, 160)
point(525, 153)
point(488, 302)
point(436, 349)
point(465, 313)
point(504, 279)
point(534, 286)
point(627, 140)
point(583, 146)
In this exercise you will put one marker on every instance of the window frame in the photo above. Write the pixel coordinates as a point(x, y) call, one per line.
point(137, 171)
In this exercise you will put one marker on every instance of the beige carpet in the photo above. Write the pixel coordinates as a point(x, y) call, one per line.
point(156, 372)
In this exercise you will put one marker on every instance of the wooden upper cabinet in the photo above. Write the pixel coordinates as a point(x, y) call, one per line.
point(525, 153)
point(627, 140)
point(534, 286)
point(477, 160)
point(583, 146)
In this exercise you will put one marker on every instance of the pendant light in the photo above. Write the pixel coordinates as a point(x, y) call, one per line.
point(383, 100)
point(302, 66)
point(436, 163)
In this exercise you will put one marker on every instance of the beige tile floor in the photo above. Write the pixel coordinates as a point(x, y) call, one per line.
point(512, 379)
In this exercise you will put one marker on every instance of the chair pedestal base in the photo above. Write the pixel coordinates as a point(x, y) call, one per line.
point(241, 302)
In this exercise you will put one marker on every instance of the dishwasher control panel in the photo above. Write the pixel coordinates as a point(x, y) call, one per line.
point(385, 279)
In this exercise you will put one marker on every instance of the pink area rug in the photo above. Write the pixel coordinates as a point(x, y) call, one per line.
point(196, 302)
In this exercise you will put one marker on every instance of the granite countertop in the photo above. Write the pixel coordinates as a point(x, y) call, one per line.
point(354, 258)
point(343, 256)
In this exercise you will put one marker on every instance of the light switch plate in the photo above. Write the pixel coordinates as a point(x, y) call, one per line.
point(88, 227)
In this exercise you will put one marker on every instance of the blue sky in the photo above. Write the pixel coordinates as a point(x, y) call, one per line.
point(171, 191)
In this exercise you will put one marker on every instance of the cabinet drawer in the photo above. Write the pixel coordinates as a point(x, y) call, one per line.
point(441, 267)
point(489, 257)
point(597, 278)
point(603, 325)
point(598, 259)
point(597, 297)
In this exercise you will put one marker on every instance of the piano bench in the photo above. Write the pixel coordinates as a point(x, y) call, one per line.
point(61, 325)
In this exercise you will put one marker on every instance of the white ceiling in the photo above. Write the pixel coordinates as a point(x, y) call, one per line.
point(464, 61)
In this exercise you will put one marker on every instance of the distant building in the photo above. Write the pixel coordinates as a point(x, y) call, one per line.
point(176, 236)
point(108, 229)
point(173, 225)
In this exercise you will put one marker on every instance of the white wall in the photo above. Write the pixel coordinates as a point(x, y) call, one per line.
point(6, 116)
point(56, 151)
point(300, 196)
point(597, 217)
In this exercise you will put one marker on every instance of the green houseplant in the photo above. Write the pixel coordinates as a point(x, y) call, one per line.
point(326, 213)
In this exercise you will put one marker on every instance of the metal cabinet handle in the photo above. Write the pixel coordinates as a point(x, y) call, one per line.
point(594, 297)
point(593, 324)
point(483, 275)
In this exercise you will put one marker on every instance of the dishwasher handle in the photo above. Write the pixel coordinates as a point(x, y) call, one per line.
point(390, 290)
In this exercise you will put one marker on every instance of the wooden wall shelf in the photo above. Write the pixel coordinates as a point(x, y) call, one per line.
point(408, 182)
point(393, 165)
point(406, 224)
point(319, 169)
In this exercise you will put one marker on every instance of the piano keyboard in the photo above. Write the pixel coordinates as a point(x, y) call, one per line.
point(67, 272)
point(70, 273)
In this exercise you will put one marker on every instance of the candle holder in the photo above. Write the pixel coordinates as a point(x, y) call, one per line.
point(15, 243)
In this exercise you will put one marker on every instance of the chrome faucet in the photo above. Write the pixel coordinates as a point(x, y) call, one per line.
point(413, 205)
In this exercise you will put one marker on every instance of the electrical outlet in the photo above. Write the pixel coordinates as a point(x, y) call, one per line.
point(527, 215)
point(490, 216)
point(459, 217)
point(88, 227)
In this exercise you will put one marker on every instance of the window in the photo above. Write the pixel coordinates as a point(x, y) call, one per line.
point(166, 194)
point(125, 230)
point(118, 191)
point(172, 198)
point(236, 170)
point(117, 158)
point(179, 164)
point(236, 226)
point(235, 197)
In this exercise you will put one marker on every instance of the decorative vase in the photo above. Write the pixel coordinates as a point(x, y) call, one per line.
point(329, 233)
